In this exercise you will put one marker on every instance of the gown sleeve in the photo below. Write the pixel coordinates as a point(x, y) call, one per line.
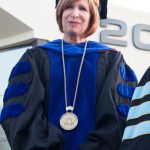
point(115, 85)
point(23, 116)
point(137, 132)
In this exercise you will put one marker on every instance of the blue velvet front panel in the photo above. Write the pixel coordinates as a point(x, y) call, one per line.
point(86, 99)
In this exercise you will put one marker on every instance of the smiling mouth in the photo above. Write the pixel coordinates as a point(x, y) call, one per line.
point(74, 22)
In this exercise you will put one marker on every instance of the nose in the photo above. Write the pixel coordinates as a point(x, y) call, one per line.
point(75, 13)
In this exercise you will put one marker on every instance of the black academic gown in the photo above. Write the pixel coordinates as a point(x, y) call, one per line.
point(137, 132)
point(25, 115)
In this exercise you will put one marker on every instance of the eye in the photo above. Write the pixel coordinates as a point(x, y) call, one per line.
point(83, 8)
point(68, 7)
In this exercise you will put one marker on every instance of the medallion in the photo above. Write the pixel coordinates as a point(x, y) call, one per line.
point(68, 121)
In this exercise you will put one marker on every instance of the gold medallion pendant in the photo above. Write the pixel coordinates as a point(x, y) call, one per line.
point(68, 121)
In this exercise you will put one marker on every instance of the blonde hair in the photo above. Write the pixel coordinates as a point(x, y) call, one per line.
point(94, 19)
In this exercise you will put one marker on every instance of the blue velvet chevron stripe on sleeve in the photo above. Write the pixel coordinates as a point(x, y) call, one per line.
point(127, 73)
point(123, 109)
point(21, 67)
point(15, 89)
point(11, 110)
point(126, 89)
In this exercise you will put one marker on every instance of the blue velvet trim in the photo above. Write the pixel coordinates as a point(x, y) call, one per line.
point(75, 49)
point(127, 73)
point(15, 89)
point(20, 68)
point(125, 90)
point(85, 107)
point(123, 109)
point(11, 110)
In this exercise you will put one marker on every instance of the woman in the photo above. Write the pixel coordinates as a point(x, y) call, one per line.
point(69, 94)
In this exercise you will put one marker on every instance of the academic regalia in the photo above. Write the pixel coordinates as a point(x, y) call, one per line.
point(34, 100)
point(137, 132)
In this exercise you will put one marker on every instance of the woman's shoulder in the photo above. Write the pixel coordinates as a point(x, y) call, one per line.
point(37, 52)
point(101, 47)
point(110, 56)
point(105, 50)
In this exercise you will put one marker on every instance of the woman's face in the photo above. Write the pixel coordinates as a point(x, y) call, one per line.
point(75, 18)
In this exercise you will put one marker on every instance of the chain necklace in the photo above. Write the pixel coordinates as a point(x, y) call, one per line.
point(69, 120)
